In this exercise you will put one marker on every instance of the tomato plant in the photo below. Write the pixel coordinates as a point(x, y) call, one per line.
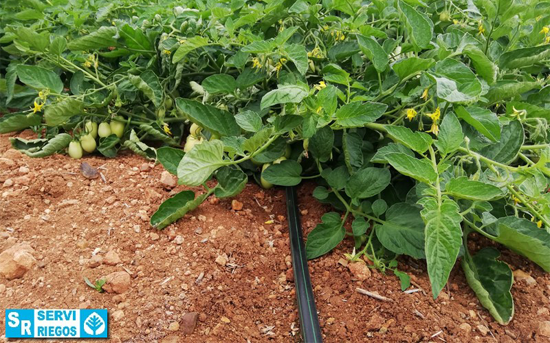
point(421, 121)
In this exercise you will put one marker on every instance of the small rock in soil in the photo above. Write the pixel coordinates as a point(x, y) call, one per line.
point(117, 282)
point(465, 327)
point(544, 329)
point(189, 322)
point(145, 167)
point(117, 315)
point(174, 326)
point(8, 183)
point(95, 261)
point(23, 170)
point(520, 275)
point(225, 320)
point(221, 260)
point(155, 236)
point(178, 240)
point(168, 180)
point(6, 163)
point(170, 339)
point(16, 261)
point(236, 205)
point(483, 330)
point(111, 258)
point(359, 270)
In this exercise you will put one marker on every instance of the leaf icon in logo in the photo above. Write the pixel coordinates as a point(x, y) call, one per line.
point(94, 324)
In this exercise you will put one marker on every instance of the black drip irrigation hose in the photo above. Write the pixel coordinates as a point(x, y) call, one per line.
point(309, 322)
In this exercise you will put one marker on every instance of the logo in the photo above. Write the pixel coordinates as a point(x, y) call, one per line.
point(56, 323)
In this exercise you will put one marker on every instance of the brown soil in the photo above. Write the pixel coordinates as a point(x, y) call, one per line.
point(67, 219)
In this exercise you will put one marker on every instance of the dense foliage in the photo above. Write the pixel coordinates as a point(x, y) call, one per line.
point(421, 121)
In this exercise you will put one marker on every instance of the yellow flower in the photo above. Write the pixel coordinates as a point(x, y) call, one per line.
point(43, 95)
point(167, 129)
point(319, 109)
point(37, 107)
point(425, 94)
point(547, 40)
point(516, 200)
point(411, 113)
point(545, 30)
point(278, 67)
point(325, 28)
point(517, 113)
point(539, 224)
point(87, 64)
point(481, 29)
point(435, 116)
point(166, 52)
point(315, 53)
point(256, 63)
point(455, 21)
point(320, 86)
point(538, 18)
point(182, 41)
point(434, 129)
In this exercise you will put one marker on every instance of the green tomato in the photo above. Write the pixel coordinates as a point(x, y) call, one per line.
point(75, 149)
point(91, 128)
point(288, 151)
point(104, 130)
point(191, 142)
point(88, 143)
point(264, 182)
point(117, 126)
point(168, 102)
point(444, 16)
point(195, 130)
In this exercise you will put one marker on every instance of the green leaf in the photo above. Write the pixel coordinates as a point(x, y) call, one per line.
point(509, 144)
point(419, 27)
point(18, 122)
point(503, 90)
point(524, 57)
point(417, 141)
point(209, 117)
point(149, 84)
point(58, 45)
point(525, 238)
point(443, 236)
point(357, 114)
point(368, 182)
point(39, 78)
point(155, 132)
point(102, 38)
point(455, 82)
point(273, 151)
point(219, 84)
point(404, 279)
point(170, 158)
point(409, 66)
point(286, 173)
point(286, 123)
point(107, 146)
point(336, 178)
point(380, 156)
point(326, 236)
point(298, 55)
point(450, 134)
point(188, 46)
point(42, 147)
point(374, 52)
point(60, 112)
point(352, 143)
point(482, 119)
point(359, 226)
point(421, 170)
point(491, 280)
point(249, 77)
point(172, 209)
point(231, 181)
point(472, 190)
point(135, 38)
point(283, 95)
point(379, 207)
point(259, 47)
point(37, 42)
point(199, 163)
point(482, 64)
point(249, 121)
point(321, 144)
point(403, 230)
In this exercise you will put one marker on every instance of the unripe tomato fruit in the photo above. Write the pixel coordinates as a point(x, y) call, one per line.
point(75, 149)
point(117, 126)
point(88, 143)
point(91, 128)
point(288, 151)
point(104, 130)
point(264, 182)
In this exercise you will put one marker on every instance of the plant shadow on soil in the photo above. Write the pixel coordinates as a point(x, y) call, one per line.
point(232, 267)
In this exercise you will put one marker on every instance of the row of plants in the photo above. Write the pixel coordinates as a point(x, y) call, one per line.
point(421, 121)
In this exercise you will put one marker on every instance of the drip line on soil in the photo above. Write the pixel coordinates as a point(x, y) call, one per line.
point(309, 321)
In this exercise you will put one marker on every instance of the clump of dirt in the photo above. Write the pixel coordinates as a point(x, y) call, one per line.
point(221, 274)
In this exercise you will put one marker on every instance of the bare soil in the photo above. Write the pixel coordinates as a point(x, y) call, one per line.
point(230, 266)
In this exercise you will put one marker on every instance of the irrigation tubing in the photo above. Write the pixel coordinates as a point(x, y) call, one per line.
point(309, 322)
